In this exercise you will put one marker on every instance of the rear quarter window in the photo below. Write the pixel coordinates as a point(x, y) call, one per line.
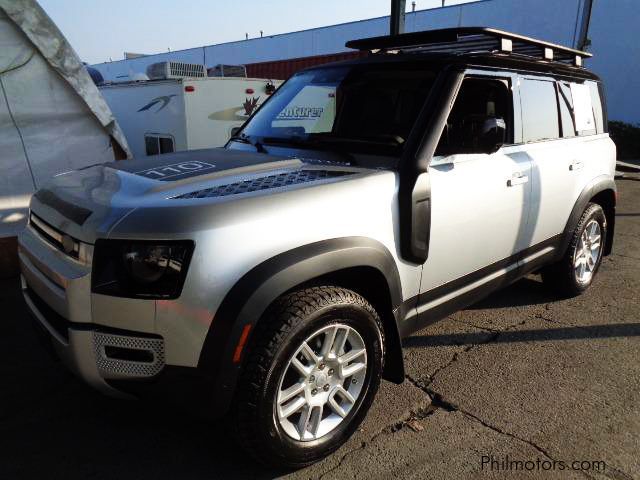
point(598, 109)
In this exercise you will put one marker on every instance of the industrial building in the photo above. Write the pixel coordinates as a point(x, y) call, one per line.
point(601, 26)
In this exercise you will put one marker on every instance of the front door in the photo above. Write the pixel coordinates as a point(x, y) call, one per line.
point(480, 202)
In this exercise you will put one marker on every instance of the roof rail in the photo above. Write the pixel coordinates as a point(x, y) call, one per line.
point(471, 40)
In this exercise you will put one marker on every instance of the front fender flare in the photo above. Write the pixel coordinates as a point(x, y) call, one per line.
point(248, 299)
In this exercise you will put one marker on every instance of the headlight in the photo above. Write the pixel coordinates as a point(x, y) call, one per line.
point(140, 269)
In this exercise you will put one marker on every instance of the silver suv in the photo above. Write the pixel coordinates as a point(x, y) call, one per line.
point(273, 280)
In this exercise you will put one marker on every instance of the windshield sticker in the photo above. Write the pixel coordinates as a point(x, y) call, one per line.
point(173, 171)
point(313, 108)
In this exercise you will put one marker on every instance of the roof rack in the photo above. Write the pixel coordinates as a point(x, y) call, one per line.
point(472, 40)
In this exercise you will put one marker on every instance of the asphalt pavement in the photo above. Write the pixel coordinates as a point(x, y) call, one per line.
point(521, 385)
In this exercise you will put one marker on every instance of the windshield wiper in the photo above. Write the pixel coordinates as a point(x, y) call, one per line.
point(308, 142)
point(386, 139)
point(246, 139)
point(295, 141)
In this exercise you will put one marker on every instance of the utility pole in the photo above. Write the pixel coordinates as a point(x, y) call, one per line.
point(398, 8)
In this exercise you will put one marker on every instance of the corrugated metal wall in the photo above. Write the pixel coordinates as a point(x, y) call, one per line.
point(612, 34)
point(283, 69)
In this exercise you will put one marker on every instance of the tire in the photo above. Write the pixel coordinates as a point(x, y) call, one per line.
point(293, 319)
point(564, 276)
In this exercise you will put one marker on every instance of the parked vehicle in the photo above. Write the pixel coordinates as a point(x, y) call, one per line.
point(173, 112)
point(364, 200)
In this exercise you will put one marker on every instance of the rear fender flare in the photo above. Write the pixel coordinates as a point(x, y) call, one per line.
point(597, 185)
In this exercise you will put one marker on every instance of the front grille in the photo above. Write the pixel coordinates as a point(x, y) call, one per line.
point(53, 318)
point(264, 183)
point(121, 356)
point(70, 246)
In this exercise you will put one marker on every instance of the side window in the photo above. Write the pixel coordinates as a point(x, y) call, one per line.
point(566, 110)
point(539, 110)
point(581, 111)
point(481, 102)
point(157, 144)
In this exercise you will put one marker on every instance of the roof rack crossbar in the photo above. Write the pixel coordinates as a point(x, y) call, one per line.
point(471, 40)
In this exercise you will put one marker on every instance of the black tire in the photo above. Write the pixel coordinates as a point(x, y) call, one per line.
point(287, 323)
point(561, 276)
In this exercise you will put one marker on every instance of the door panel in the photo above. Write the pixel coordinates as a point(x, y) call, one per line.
point(479, 212)
point(558, 173)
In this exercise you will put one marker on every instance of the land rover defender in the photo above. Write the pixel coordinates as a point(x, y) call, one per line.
point(272, 281)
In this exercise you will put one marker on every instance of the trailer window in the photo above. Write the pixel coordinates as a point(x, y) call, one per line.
point(157, 144)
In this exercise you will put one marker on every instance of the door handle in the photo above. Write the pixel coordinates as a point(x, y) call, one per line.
point(518, 178)
point(576, 165)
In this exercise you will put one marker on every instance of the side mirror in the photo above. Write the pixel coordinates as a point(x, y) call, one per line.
point(485, 134)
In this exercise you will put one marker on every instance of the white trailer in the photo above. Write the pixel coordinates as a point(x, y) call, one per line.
point(162, 116)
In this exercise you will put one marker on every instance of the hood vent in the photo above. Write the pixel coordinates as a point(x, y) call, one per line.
point(264, 183)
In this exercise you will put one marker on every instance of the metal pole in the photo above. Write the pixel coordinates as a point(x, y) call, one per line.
point(583, 40)
point(397, 16)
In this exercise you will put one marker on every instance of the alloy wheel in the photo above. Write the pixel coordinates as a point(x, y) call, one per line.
point(321, 382)
point(587, 254)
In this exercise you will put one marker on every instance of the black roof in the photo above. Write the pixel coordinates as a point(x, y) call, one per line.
point(475, 46)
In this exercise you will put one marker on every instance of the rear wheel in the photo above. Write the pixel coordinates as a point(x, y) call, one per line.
point(575, 272)
point(310, 377)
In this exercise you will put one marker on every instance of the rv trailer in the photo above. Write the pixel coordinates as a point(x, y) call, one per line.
point(174, 113)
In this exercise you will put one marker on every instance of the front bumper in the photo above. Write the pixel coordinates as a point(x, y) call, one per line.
point(57, 293)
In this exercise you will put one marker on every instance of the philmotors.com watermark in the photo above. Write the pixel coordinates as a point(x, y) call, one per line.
point(509, 464)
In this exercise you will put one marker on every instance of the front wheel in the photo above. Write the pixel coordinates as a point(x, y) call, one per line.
point(575, 272)
point(311, 375)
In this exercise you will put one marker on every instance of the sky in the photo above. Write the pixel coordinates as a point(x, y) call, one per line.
point(103, 30)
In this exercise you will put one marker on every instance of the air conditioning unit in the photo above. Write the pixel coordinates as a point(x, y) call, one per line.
point(166, 70)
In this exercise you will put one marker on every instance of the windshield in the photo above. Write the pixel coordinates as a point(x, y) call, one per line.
point(363, 108)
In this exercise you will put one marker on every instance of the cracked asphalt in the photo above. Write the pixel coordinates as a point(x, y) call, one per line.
point(520, 376)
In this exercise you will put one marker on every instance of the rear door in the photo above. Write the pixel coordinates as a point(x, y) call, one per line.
point(552, 124)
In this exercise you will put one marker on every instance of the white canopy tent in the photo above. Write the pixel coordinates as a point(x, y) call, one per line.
point(52, 116)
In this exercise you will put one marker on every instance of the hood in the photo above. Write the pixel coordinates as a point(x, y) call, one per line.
point(88, 203)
